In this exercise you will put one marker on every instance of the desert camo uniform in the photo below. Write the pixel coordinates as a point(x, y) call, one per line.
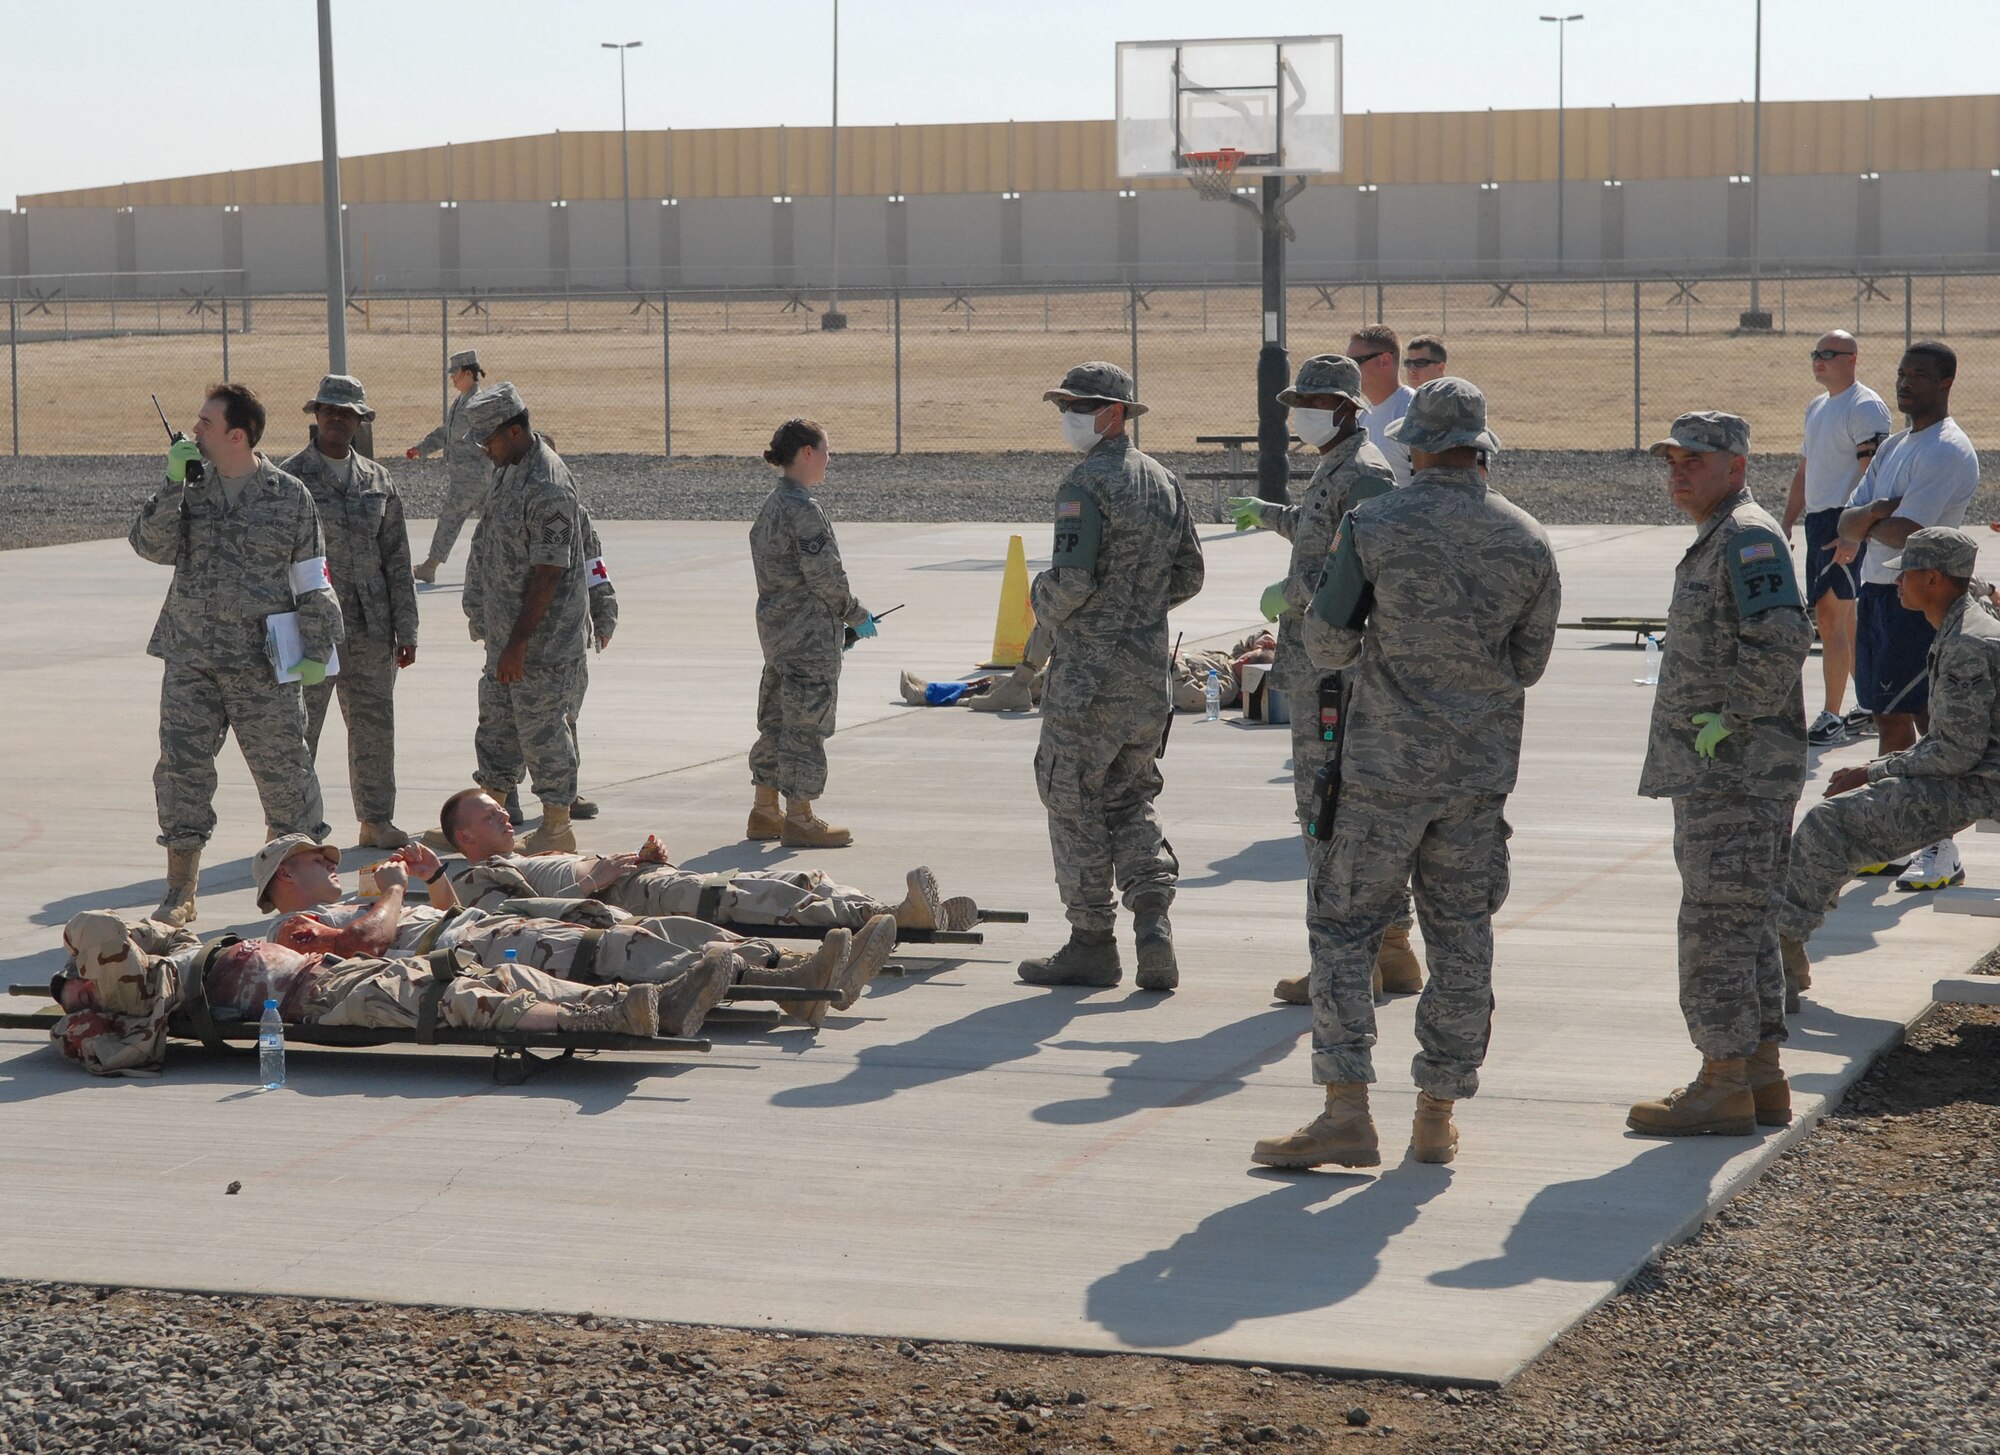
point(1737, 637)
point(234, 555)
point(1465, 598)
point(747, 897)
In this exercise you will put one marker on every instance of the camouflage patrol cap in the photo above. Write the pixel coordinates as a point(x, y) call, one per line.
point(1326, 374)
point(1937, 548)
point(1446, 414)
point(342, 391)
point(464, 359)
point(271, 858)
point(1709, 431)
point(488, 409)
point(1100, 381)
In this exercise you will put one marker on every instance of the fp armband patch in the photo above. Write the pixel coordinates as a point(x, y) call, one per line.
point(1079, 526)
point(1760, 570)
point(310, 575)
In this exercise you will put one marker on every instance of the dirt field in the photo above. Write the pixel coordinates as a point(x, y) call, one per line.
point(1556, 361)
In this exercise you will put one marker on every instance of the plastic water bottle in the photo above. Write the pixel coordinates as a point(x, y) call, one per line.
point(271, 1047)
point(1652, 677)
point(1212, 696)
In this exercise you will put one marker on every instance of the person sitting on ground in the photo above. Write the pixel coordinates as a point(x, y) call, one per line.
point(301, 881)
point(648, 883)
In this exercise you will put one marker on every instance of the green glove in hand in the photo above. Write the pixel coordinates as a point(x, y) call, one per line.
point(1247, 510)
point(311, 673)
point(1272, 603)
point(181, 454)
point(1711, 735)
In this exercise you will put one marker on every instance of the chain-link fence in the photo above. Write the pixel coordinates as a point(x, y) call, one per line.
point(1596, 365)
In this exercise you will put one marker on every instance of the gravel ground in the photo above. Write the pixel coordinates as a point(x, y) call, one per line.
point(1845, 1303)
point(47, 500)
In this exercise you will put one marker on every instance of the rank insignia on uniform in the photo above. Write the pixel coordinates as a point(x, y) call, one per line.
point(814, 546)
point(1762, 551)
point(1069, 510)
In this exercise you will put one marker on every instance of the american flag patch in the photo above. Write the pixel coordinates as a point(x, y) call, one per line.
point(1762, 551)
point(1069, 510)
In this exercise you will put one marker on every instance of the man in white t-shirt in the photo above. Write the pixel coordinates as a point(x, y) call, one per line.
point(1378, 352)
point(1923, 476)
point(1843, 427)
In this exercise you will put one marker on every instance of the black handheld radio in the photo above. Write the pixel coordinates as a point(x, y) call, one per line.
point(195, 473)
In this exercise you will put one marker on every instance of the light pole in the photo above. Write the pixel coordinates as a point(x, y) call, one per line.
point(833, 318)
point(1561, 23)
point(1756, 318)
point(624, 146)
point(329, 181)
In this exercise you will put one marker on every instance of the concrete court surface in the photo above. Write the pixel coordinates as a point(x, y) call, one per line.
point(960, 1156)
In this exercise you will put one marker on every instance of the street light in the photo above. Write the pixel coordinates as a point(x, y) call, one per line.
point(1756, 318)
point(1561, 23)
point(329, 177)
point(833, 318)
point(624, 146)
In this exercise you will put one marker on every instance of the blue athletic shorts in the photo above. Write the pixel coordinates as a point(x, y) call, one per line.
point(1822, 575)
point(1891, 652)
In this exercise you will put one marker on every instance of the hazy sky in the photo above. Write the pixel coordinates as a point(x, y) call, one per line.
point(123, 90)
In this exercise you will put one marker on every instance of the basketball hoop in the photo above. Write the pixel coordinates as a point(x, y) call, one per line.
point(1212, 173)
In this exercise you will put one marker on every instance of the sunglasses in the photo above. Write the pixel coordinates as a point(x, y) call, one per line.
point(1083, 406)
point(1364, 358)
point(1419, 363)
point(1820, 356)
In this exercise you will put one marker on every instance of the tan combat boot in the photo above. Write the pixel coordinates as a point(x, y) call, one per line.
point(384, 835)
point(767, 820)
point(913, 689)
point(1014, 693)
point(428, 572)
point(870, 951)
point(923, 907)
point(685, 1004)
point(581, 807)
point(435, 840)
point(1770, 1092)
point(177, 904)
point(1798, 972)
point(804, 829)
point(1297, 989)
point(1089, 958)
point(961, 912)
point(1344, 1133)
point(1716, 1103)
point(1433, 1138)
point(1398, 971)
point(632, 1011)
point(553, 835)
point(817, 971)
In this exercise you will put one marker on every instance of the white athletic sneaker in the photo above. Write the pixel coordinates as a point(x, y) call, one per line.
point(1827, 729)
point(1935, 866)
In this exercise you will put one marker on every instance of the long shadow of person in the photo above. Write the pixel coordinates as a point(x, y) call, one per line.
point(1270, 1256)
point(143, 894)
point(1180, 1073)
point(1268, 861)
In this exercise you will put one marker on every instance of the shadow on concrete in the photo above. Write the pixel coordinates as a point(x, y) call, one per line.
point(744, 855)
point(1272, 1256)
point(144, 894)
point(1268, 861)
point(1886, 906)
point(1159, 1073)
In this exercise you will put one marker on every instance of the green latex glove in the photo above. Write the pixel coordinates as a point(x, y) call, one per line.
point(1272, 603)
point(1712, 732)
point(181, 454)
point(311, 673)
point(1247, 510)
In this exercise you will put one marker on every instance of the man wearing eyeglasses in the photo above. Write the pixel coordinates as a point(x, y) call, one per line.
point(1377, 351)
point(1843, 427)
point(1424, 360)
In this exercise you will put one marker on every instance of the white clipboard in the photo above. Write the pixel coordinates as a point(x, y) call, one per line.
point(286, 649)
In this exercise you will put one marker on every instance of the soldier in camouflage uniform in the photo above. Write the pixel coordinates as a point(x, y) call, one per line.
point(804, 612)
point(1438, 607)
point(245, 544)
point(467, 470)
point(1125, 552)
point(1944, 783)
point(1326, 404)
point(1728, 745)
point(368, 556)
point(527, 598)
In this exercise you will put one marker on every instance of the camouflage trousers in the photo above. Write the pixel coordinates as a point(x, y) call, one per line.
point(1308, 752)
point(1870, 825)
point(1731, 851)
point(389, 994)
point(656, 951)
point(529, 727)
point(749, 897)
point(198, 708)
point(462, 498)
point(1453, 853)
point(366, 686)
point(795, 710)
point(1098, 779)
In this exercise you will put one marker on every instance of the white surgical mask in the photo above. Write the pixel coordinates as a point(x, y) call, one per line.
point(1315, 426)
point(1080, 431)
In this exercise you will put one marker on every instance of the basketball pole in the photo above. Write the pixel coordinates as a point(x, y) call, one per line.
point(1274, 369)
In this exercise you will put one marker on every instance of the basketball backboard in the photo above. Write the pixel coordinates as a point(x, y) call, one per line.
point(1275, 99)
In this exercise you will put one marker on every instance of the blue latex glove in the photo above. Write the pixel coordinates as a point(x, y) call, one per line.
point(181, 454)
point(1711, 735)
point(312, 673)
point(1272, 603)
point(866, 629)
point(1247, 511)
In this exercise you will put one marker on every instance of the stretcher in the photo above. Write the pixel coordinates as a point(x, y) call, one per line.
point(903, 936)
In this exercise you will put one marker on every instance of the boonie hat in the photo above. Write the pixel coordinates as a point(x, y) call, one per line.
point(1937, 548)
point(488, 409)
point(1709, 431)
point(1446, 414)
point(1326, 374)
point(264, 868)
point(1100, 381)
point(342, 391)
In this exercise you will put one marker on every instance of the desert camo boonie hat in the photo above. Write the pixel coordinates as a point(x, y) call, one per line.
point(341, 391)
point(1100, 381)
point(1937, 548)
point(1708, 431)
point(464, 359)
point(1446, 414)
point(1326, 374)
point(487, 410)
point(271, 858)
